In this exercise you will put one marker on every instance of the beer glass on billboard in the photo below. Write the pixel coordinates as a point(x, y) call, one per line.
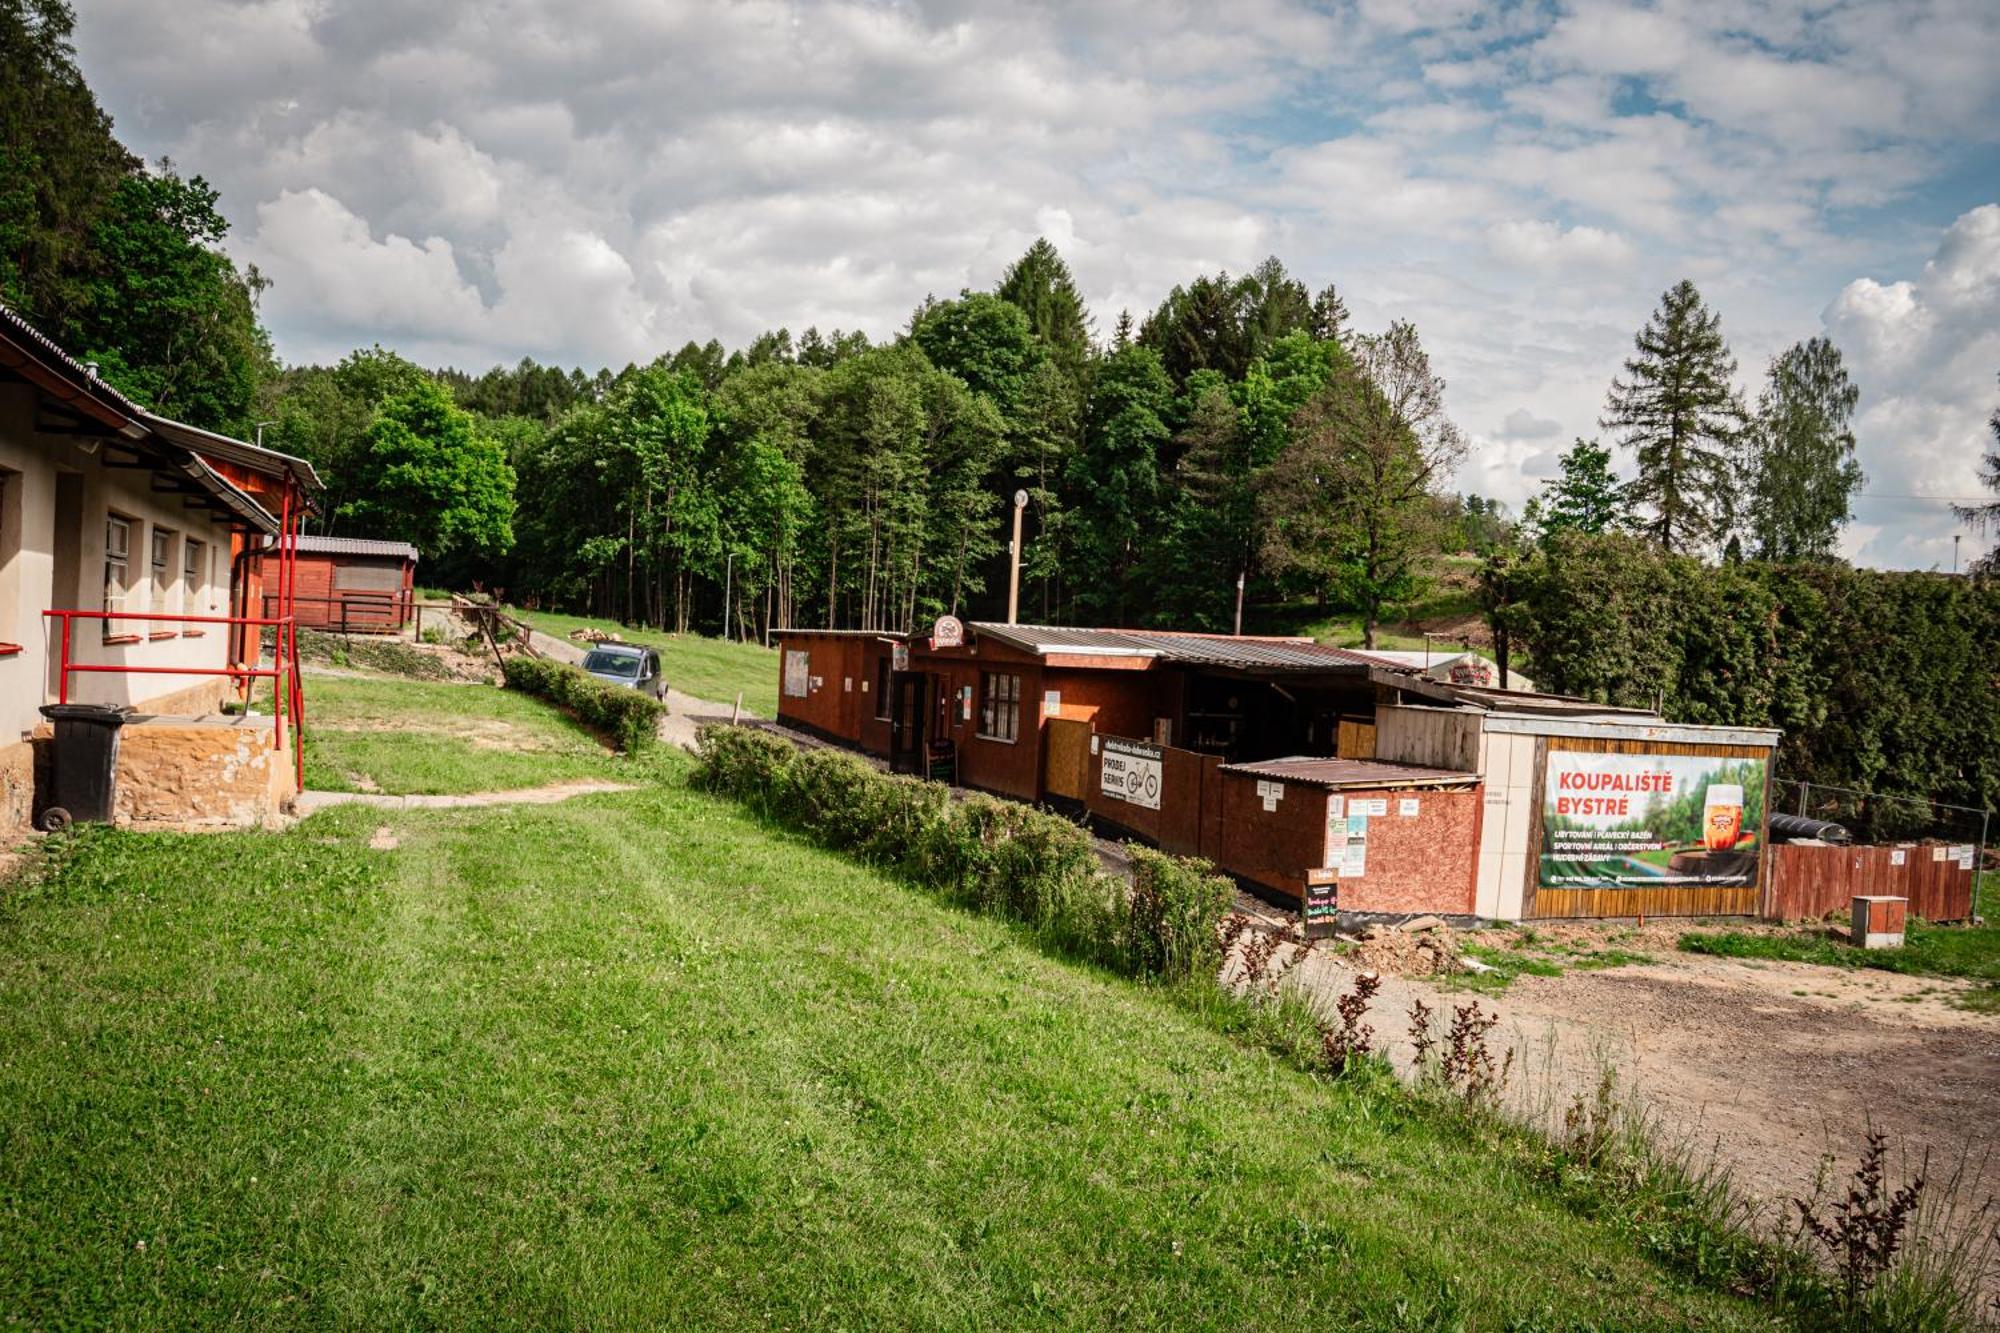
point(1722, 816)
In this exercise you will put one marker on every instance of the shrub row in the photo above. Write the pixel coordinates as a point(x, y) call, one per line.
point(998, 857)
point(630, 718)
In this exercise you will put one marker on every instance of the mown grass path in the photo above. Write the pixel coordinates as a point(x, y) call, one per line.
point(637, 1060)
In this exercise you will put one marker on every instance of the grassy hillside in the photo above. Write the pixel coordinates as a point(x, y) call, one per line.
point(400, 737)
point(704, 667)
point(639, 1060)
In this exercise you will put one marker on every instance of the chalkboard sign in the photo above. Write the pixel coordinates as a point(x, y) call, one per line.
point(943, 762)
point(1322, 903)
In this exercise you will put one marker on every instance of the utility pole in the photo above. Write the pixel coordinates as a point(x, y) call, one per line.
point(1014, 562)
point(1239, 602)
point(260, 431)
point(728, 576)
point(1954, 551)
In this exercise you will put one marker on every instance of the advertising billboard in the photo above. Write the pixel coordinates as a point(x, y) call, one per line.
point(1639, 820)
point(1131, 771)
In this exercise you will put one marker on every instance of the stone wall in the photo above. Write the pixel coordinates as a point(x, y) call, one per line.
point(177, 772)
point(17, 788)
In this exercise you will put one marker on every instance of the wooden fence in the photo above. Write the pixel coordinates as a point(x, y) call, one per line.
point(1806, 883)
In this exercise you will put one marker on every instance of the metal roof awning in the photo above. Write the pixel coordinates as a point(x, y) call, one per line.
point(242, 453)
point(153, 442)
point(1335, 774)
point(882, 634)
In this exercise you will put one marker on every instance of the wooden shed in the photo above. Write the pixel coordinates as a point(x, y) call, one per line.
point(835, 683)
point(1348, 835)
point(353, 585)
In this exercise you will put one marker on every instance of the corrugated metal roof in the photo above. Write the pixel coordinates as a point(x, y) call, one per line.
point(39, 359)
point(1241, 652)
point(232, 450)
point(355, 546)
point(1336, 773)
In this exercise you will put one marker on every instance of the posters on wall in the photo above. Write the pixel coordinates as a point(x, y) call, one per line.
point(1131, 771)
point(1639, 820)
point(798, 673)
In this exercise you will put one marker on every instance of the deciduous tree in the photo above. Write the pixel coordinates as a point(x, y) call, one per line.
point(1799, 473)
point(1350, 502)
point(1584, 496)
point(431, 477)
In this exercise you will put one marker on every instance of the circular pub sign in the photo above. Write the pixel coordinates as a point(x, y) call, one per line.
point(947, 632)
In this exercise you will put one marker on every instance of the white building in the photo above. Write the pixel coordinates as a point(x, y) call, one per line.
point(1455, 667)
point(106, 508)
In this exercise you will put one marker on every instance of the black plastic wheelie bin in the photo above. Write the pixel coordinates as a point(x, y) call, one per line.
point(83, 764)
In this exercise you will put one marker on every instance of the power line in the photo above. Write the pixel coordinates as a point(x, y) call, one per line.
point(1943, 499)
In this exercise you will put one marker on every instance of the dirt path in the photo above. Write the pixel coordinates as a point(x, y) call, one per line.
point(1770, 1066)
point(312, 802)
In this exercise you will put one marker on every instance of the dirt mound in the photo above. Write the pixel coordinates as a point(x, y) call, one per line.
point(1431, 951)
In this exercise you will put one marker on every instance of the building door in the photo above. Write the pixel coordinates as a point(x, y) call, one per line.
point(906, 721)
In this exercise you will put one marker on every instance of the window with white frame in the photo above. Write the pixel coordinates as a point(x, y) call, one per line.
point(999, 705)
point(117, 568)
point(194, 575)
point(166, 572)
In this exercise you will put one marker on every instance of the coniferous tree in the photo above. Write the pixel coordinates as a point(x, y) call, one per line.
point(1799, 473)
point(1041, 285)
point(1329, 315)
point(1677, 410)
point(1986, 517)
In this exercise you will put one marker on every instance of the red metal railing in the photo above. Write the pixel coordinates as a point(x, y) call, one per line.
point(288, 703)
point(286, 697)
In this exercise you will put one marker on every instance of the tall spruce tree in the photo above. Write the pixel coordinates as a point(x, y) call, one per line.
point(1799, 473)
point(1678, 411)
point(1986, 517)
point(1041, 285)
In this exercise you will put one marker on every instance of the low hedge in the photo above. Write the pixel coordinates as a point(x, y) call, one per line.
point(630, 718)
point(995, 856)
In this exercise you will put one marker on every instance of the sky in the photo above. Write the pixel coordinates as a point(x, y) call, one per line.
point(474, 181)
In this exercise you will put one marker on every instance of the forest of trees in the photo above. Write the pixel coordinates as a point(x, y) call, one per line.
point(1241, 436)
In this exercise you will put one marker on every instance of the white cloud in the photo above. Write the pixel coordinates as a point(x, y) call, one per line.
point(1925, 352)
point(312, 243)
point(1537, 244)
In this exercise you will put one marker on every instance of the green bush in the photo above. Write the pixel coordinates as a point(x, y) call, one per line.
point(629, 718)
point(1171, 915)
point(997, 857)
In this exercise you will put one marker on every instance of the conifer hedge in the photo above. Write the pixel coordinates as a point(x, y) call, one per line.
point(1884, 681)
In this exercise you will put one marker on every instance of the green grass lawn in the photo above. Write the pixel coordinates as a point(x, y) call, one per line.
point(401, 737)
point(704, 667)
point(1968, 952)
point(638, 1060)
